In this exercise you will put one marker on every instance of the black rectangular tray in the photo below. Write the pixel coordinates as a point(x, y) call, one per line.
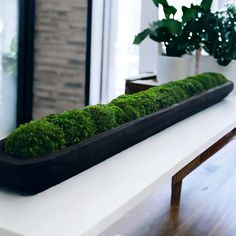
point(30, 176)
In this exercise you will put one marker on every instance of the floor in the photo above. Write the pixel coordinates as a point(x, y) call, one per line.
point(207, 208)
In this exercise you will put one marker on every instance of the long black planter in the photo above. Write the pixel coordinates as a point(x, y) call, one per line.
point(30, 176)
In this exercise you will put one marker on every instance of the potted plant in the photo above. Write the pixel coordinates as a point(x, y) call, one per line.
point(175, 40)
point(223, 47)
point(45, 152)
point(198, 30)
point(220, 42)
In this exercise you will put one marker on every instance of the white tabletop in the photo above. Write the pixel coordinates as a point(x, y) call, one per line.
point(89, 202)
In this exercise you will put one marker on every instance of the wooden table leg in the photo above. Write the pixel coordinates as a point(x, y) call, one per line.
point(175, 192)
point(180, 175)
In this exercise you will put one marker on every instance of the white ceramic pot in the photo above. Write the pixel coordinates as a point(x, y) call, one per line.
point(172, 68)
point(209, 64)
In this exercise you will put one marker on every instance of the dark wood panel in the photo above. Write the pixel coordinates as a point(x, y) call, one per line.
point(139, 83)
point(132, 87)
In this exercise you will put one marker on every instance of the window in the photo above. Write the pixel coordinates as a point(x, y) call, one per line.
point(16, 63)
point(114, 57)
point(116, 24)
point(123, 56)
point(8, 64)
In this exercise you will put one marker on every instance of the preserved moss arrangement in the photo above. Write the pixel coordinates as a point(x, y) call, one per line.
point(43, 153)
point(57, 131)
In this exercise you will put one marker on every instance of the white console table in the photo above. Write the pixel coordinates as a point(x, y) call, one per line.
point(91, 201)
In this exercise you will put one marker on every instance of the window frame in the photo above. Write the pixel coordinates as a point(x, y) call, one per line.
point(148, 49)
point(25, 67)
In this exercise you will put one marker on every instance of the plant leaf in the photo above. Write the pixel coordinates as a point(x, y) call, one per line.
point(206, 5)
point(189, 13)
point(162, 2)
point(174, 27)
point(168, 10)
point(141, 36)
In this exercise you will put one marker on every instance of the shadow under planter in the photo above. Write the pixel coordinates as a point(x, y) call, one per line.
point(30, 176)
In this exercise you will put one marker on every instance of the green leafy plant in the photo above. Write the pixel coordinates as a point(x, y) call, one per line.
point(223, 47)
point(172, 32)
point(198, 29)
point(215, 33)
point(34, 139)
point(70, 127)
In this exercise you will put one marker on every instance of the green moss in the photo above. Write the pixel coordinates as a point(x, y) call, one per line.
point(197, 85)
point(210, 80)
point(179, 93)
point(206, 81)
point(132, 100)
point(131, 105)
point(221, 79)
point(165, 100)
point(148, 101)
point(130, 112)
point(215, 78)
point(76, 125)
point(162, 98)
point(119, 114)
point(190, 86)
point(103, 117)
point(34, 139)
point(176, 92)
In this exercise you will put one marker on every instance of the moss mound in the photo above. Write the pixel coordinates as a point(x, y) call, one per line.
point(210, 80)
point(34, 139)
point(71, 122)
point(120, 115)
point(102, 116)
point(130, 105)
